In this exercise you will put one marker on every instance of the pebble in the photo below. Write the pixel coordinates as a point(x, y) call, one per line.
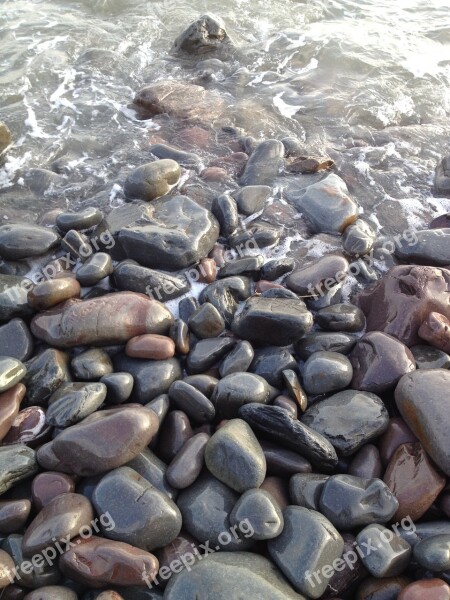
point(432, 589)
point(160, 406)
point(91, 365)
point(295, 389)
point(237, 389)
point(97, 562)
point(110, 319)
point(433, 553)
point(389, 555)
point(46, 372)
point(225, 295)
point(326, 372)
point(358, 238)
point(288, 404)
point(9, 407)
point(46, 486)
point(179, 333)
point(319, 280)
point(63, 517)
point(97, 267)
point(12, 371)
point(305, 489)
point(152, 180)
point(414, 481)
point(206, 322)
point(139, 513)
point(203, 383)
point(350, 502)
point(238, 360)
point(277, 487)
point(252, 198)
point(7, 570)
point(379, 360)
point(341, 317)
point(17, 462)
point(250, 266)
point(366, 463)
point(235, 457)
point(52, 592)
point(258, 234)
point(349, 574)
point(52, 292)
point(430, 358)
point(195, 404)
point(39, 576)
point(155, 284)
point(188, 462)
point(320, 341)
point(84, 219)
point(151, 346)
point(175, 431)
point(427, 420)
point(283, 462)
point(442, 177)
point(13, 515)
point(436, 331)
point(188, 160)
point(308, 543)
point(260, 509)
point(151, 377)
point(206, 353)
point(272, 321)
point(119, 387)
point(177, 233)
point(30, 427)
point(224, 208)
point(73, 402)
point(76, 245)
point(25, 240)
point(270, 362)
point(431, 247)
point(397, 433)
point(16, 340)
point(273, 269)
point(120, 434)
point(348, 419)
point(153, 469)
point(205, 34)
point(264, 164)
point(278, 426)
point(14, 297)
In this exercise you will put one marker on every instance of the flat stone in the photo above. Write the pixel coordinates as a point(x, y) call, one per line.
point(150, 346)
point(270, 362)
point(283, 462)
point(273, 321)
point(24, 240)
point(206, 353)
point(261, 510)
point(432, 589)
point(412, 478)
point(152, 180)
point(97, 562)
point(431, 247)
point(341, 317)
point(327, 205)
point(278, 426)
point(175, 431)
point(110, 319)
point(48, 485)
point(143, 516)
point(17, 462)
point(379, 360)
point(350, 502)
point(319, 280)
point(305, 489)
point(9, 407)
point(177, 233)
point(84, 219)
point(320, 341)
point(307, 543)
point(119, 386)
point(12, 371)
point(430, 358)
point(195, 404)
point(63, 517)
point(91, 365)
point(397, 433)
point(13, 515)
point(188, 463)
point(358, 238)
point(52, 292)
point(14, 297)
point(238, 360)
point(386, 558)
point(234, 456)
point(348, 419)
point(427, 419)
point(16, 340)
point(326, 372)
point(264, 164)
point(120, 434)
point(436, 331)
point(433, 553)
point(250, 266)
point(156, 284)
point(252, 198)
point(227, 575)
point(399, 302)
point(73, 402)
point(237, 389)
point(97, 267)
point(151, 377)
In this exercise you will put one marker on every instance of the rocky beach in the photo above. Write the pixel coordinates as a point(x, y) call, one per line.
point(225, 341)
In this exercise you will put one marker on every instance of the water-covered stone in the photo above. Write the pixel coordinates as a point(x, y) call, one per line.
point(264, 164)
point(155, 283)
point(81, 220)
point(252, 198)
point(152, 180)
point(204, 35)
point(358, 238)
point(431, 247)
point(97, 267)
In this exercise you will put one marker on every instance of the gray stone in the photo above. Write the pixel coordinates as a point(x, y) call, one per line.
point(14, 297)
point(270, 362)
point(307, 543)
point(305, 489)
point(46, 372)
point(97, 267)
point(427, 357)
point(224, 208)
point(320, 341)
point(188, 160)
point(264, 164)
point(16, 340)
point(156, 284)
point(319, 280)
point(262, 511)
point(432, 248)
point(234, 456)
point(358, 238)
point(143, 516)
point(153, 469)
point(252, 198)
point(226, 294)
point(277, 268)
point(73, 402)
point(195, 404)
point(442, 177)
point(119, 386)
point(188, 463)
point(341, 317)
point(23, 240)
point(206, 322)
point(348, 419)
point(91, 365)
point(17, 462)
point(238, 360)
point(207, 353)
point(84, 219)
point(326, 372)
point(389, 555)
point(237, 389)
point(204, 35)
point(152, 180)
point(12, 371)
point(433, 553)
point(249, 266)
point(350, 502)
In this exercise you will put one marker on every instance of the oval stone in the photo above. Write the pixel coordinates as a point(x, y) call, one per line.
point(152, 180)
point(52, 292)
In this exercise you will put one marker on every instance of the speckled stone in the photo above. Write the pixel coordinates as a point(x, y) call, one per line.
point(73, 402)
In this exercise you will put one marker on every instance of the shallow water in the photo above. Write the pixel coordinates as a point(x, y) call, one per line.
point(366, 81)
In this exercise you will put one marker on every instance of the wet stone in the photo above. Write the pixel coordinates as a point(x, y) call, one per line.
point(188, 160)
point(152, 180)
point(295, 389)
point(62, 517)
point(52, 592)
point(156, 284)
point(153, 469)
point(48, 485)
point(319, 341)
point(175, 431)
point(119, 387)
point(195, 404)
point(151, 377)
point(225, 295)
point(264, 164)
point(30, 427)
point(283, 462)
point(24, 240)
point(16, 340)
point(348, 419)
point(433, 553)
point(397, 433)
point(258, 234)
point(160, 406)
point(73, 402)
point(14, 296)
point(436, 331)
point(432, 589)
point(186, 307)
point(379, 360)
point(442, 177)
point(179, 333)
point(224, 208)
point(97, 267)
point(188, 463)
point(273, 269)
point(234, 456)
point(350, 502)
point(9, 407)
point(238, 360)
point(142, 515)
point(276, 321)
point(6, 569)
point(17, 462)
point(270, 362)
point(305, 489)
point(387, 558)
point(341, 317)
point(77, 245)
point(12, 371)
point(288, 404)
point(91, 365)
point(299, 555)
point(39, 576)
point(177, 233)
point(427, 420)
point(358, 238)
point(249, 266)
point(52, 292)
point(150, 346)
point(319, 280)
point(84, 219)
point(366, 463)
point(381, 589)
point(237, 389)
point(252, 198)
point(97, 562)
point(207, 353)
point(13, 515)
point(206, 322)
point(431, 247)
point(326, 372)
point(261, 510)
point(203, 36)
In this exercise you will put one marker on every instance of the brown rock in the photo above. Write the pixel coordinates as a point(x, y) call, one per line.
point(208, 270)
point(52, 292)
point(13, 515)
point(29, 427)
point(6, 569)
point(310, 164)
point(426, 589)
point(97, 562)
point(151, 346)
point(47, 486)
point(321, 275)
point(175, 432)
point(399, 302)
point(110, 319)
point(188, 463)
point(9, 407)
point(106, 439)
point(387, 588)
point(413, 480)
point(397, 433)
point(279, 489)
point(214, 174)
point(177, 548)
point(436, 331)
point(378, 361)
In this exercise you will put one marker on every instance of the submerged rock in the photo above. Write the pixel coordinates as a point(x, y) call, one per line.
point(152, 180)
point(204, 35)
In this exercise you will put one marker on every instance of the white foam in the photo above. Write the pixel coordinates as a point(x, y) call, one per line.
point(287, 110)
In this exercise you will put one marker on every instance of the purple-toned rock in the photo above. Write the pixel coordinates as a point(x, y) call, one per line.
point(436, 331)
point(110, 319)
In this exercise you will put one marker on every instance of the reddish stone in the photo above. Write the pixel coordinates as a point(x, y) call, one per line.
point(263, 286)
point(397, 433)
point(279, 489)
point(288, 404)
point(366, 463)
point(208, 270)
point(193, 137)
point(234, 163)
point(381, 589)
point(150, 346)
point(426, 589)
point(9, 407)
point(29, 427)
point(183, 544)
point(218, 254)
point(214, 174)
point(46, 486)
point(436, 331)
point(97, 562)
point(13, 515)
